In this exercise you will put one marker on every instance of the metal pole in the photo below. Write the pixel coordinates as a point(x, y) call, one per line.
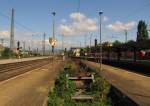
point(24, 45)
point(32, 45)
point(78, 9)
point(44, 35)
point(53, 67)
point(80, 45)
point(85, 40)
point(100, 16)
point(90, 42)
point(126, 34)
point(37, 50)
point(62, 43)
point(53, 13)
point(12, 30)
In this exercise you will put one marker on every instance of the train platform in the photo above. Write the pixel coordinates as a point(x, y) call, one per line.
point(6, 61)
point(133, 85)
point(30, 88)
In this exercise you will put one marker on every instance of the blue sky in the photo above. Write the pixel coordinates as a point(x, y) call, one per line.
point(36, 15)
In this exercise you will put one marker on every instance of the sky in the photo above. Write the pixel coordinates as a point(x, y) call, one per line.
point(76, 20)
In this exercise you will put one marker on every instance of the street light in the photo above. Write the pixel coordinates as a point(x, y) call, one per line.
point(126, 35)
point(52, 40)
point(90, 42)
point(100, 16)
point(53, 13)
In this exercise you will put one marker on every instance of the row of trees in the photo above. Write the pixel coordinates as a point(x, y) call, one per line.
point(142, 41)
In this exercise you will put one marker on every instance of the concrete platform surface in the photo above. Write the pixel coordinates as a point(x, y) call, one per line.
point(29, 89)
point(6, 61)
point(133, 85)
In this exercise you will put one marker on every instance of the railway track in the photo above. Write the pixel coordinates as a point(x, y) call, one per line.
point(139, 67)
point(13, 69)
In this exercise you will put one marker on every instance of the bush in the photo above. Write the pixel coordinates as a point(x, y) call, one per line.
point(6, 53)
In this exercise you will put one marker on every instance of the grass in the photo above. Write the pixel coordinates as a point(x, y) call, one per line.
point(61, 94)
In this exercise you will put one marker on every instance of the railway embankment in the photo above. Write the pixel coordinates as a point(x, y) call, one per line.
point(80, 85)
point(129, 86)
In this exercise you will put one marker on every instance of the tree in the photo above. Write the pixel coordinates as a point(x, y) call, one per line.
point(116, 43)
point(142, 33)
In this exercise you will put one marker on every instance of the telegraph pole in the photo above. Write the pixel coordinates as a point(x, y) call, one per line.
point(126, 35)
point(90, 42)
point(53, 41)
point(90, 39)
point(53, 13)
point(12, 30)
point(32, 44)
point(85, 40)
point(37, 50)
point(62, 43)
point(43, 43)
point(24, 45)
point(100, 16)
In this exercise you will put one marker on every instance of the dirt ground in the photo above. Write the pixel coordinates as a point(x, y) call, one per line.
point(29, 89)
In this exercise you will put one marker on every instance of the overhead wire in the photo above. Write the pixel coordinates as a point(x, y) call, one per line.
point(17, 23)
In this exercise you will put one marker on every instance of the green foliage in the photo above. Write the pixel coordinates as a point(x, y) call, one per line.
point(142, 33)
point(6, 53)
point(64, 89)
point(55, 100)
point(116, 43)
point(101, 85)
point(70, 68)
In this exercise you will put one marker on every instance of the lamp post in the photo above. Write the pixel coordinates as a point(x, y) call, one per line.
point(52, 40)
point(90, 41)
point(126, 35)
point(32, 45)
point(62, 43)
point(90, 44)
point(100, 17)
point(53, 13)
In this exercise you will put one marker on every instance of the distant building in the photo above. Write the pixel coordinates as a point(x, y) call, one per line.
point(76, 51)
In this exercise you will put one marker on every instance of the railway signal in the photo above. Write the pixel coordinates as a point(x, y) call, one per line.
point(52, 42)
point(18, 45)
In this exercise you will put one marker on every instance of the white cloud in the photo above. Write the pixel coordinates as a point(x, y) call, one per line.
point(79, 24)
point(4, 34)
point(105, 18)
point(19, 35)
point(119, 26)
